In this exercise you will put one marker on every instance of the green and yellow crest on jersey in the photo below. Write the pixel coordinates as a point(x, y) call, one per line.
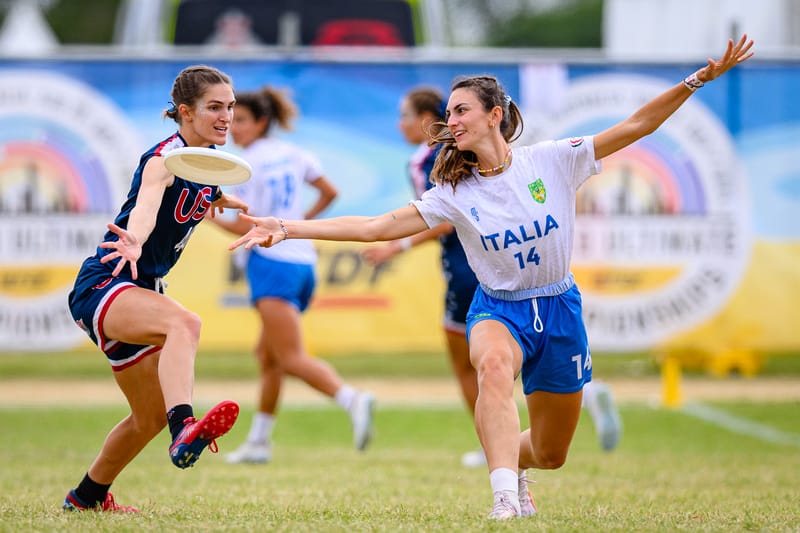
point(538, 192)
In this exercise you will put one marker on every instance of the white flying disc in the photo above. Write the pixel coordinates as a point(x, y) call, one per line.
point(207, 166)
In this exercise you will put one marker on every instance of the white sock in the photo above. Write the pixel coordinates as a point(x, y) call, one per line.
point(345, 396)
point(588, 392)
point(261, 428)
point(590, 402)
point(504, 479)
point(522, 481)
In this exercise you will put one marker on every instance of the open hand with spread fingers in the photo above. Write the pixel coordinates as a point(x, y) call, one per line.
point(734, 54)
point(266, 232)
point(128, 250)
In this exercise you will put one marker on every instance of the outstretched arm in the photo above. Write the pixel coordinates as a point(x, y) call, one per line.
point(268, 231)
point(377, 255)
point(651, 115)
point(225, 201)
point(236, 225)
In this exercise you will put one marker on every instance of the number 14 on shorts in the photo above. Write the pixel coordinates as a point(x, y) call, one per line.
point(582, 364)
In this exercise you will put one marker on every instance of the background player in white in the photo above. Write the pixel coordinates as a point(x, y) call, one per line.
point(514, 213)
point(282, 280)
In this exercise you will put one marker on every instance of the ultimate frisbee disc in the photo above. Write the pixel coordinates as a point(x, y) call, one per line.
point(207, 166)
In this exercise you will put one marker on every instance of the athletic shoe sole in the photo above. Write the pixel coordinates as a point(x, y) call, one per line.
point(194, 438)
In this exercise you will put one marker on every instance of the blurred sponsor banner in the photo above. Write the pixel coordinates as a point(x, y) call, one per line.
point(690, 237)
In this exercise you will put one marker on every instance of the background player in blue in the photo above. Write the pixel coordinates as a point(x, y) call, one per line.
point(514, 213)
point(420, 109)
point(119, 301)
point(282, 280)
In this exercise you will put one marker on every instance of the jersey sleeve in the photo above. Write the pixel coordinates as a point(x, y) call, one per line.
point(577, 153)
point(432, 207)
point(312, 164)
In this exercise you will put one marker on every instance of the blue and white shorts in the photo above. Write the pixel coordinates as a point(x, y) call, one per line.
point(292, 282)
point(550, 331)
point(95, 289)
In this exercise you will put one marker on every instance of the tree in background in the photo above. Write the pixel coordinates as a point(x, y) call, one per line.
point(576, 24)
point(510, 23)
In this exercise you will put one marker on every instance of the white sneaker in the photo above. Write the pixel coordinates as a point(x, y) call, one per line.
point(361, 418)
point(250, 452)
point(526, 505)
point(605, 415)
point(506, 505)
point(474, 459)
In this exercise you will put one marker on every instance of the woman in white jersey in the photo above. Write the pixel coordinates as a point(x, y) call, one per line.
point(282, 280)
point(514, 214)
point(419, 109)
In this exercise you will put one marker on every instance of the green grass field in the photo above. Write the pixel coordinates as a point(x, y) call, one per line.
point(672, 471)
point(90, 363)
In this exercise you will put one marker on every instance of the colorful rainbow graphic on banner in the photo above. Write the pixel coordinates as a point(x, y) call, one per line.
point(62, 175)
point(662, 234)
point(64, 172)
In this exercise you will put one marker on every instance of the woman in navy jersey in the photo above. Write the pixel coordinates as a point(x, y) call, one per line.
point(119, 297)
point(514, 211)
point(282, 280)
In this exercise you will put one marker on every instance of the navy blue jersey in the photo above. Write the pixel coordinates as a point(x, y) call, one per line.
point(182, 208)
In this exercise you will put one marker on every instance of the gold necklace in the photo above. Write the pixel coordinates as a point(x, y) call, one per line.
point(498, 168)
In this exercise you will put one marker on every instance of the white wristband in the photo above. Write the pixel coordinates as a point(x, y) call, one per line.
point(692, 82)
point(404, 243)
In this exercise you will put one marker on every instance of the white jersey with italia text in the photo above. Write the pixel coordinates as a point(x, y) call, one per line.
point(517, 227)
point(280, 172)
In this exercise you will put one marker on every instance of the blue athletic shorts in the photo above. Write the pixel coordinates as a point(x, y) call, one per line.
point(292, 282)
point(554, 359)
point(89, 301)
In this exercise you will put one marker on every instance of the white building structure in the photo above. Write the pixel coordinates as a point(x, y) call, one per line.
point(682, 29)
